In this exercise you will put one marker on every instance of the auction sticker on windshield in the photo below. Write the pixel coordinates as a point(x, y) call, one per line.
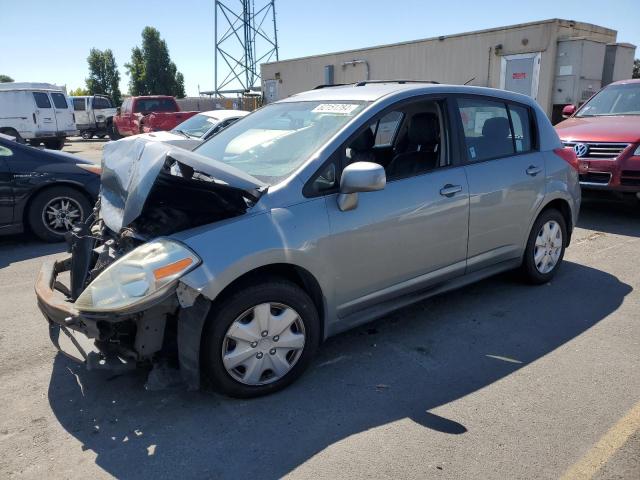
point(336, 108)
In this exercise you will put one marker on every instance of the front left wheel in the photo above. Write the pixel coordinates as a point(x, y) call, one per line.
point(260, 339)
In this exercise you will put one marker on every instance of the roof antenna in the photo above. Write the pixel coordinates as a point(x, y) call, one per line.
point(469, 81)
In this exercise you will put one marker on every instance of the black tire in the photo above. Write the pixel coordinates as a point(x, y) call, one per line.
point(102, 135)
point(114, 134)
point(530, 270)
point(55, 144)
point(34, 143)
point(86, 134)
point(36, 215)
point(12, 132)
point(273, 290)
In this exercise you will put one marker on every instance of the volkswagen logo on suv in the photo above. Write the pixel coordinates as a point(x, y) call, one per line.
point(581, 149)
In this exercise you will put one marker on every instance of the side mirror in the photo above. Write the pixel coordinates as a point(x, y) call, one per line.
point(568, 110)
point(118, 110)
point(359, 177)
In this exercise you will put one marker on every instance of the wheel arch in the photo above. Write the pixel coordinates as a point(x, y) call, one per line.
point(562, 205)
point(288, 271)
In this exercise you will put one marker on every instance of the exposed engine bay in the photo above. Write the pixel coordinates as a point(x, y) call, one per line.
point(149, 191)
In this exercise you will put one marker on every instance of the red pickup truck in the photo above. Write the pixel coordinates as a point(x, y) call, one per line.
point(147, 114)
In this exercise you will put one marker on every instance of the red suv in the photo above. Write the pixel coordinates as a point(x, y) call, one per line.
point(605, 134)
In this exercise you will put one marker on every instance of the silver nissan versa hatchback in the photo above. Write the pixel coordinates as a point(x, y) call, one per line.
point(312, 215)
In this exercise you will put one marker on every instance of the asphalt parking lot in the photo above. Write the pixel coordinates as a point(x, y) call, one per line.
point(87, 149)
point(497, 380)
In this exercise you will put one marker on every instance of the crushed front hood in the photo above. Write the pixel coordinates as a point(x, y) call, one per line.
point(129, 170)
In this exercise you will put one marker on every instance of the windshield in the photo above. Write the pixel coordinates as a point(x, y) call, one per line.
point(197, 125)
point(275, 140)
point(614, 100)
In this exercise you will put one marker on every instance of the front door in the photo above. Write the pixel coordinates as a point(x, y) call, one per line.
point(519, 73)
point(506, 178)
point(413, 233)
point(45, 114)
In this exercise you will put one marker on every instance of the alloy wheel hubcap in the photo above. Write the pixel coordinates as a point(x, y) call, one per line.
point(263, 344)
point(548, 247)
point(60, 214)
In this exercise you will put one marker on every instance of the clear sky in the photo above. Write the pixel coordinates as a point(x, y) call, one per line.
point(48, 41)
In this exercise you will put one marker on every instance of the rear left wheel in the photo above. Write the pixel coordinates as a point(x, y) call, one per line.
point(260, 339)
point(53, 212)
point(55, 144)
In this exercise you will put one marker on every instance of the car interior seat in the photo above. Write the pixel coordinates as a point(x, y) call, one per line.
point(422, 151)
point(496, 138)
point(361, 149)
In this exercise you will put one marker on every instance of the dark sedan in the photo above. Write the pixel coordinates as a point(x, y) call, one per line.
point(44, 191)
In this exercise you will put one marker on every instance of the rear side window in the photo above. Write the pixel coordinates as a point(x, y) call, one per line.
point(59, 100)
point(78, 104)
point(521, 128)
point(494, 129)
point(42, 100)
point(100, 103)
point(5, 152)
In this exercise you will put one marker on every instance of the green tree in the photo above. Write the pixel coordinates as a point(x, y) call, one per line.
point(104, 77)
point(5, 79)
point(151, 70)
point(636, 68)
point(78, 92)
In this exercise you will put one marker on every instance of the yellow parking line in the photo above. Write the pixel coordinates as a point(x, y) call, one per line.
point(606, 447)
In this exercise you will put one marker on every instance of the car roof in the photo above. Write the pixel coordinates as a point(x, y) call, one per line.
point(142, 97)
point(371, 92)
point(223, 114)
point(38, 86)
point(624, 82)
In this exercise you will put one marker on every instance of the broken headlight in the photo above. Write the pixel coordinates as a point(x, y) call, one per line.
point(139, 276)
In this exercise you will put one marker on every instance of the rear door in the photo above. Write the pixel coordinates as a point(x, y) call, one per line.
point(65, 118)
point(6, 188)
point(83, 117)
point(45, 114)
point(506, 175)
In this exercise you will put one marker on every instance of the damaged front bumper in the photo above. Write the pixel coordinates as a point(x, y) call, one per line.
point(170, 327)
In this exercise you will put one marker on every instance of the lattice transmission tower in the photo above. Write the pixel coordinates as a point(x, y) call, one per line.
point(246, 36)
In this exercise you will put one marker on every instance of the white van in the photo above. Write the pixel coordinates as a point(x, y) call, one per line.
point(94, 115)
point(37, 112)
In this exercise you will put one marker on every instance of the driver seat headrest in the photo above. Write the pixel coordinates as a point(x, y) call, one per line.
point(424, 128)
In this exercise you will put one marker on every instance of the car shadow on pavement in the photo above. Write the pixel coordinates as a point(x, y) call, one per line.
point(610, 215)
point(16, 248)
point(398, 368)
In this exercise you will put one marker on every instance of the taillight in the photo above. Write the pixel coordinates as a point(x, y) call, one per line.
point(568, 155)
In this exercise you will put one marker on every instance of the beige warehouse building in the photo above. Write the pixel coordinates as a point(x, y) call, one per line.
point(557, 62)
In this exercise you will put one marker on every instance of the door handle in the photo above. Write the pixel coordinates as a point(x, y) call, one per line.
point(533, 170)
point(450, 190)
